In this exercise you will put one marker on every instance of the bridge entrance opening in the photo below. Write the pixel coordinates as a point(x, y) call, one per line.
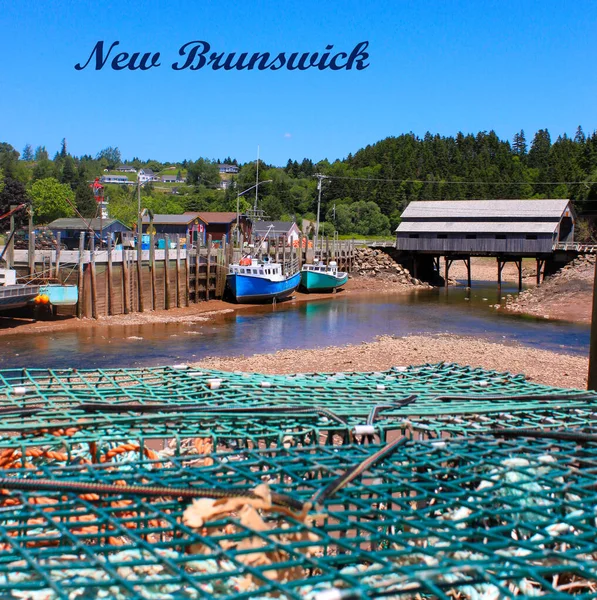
point(566, 230)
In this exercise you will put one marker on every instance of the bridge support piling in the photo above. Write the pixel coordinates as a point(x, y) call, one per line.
point(447, 265)
point(467, 262)
point(540, 265)
point(500, 267)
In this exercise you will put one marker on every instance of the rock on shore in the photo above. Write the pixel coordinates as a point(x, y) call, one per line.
point(370, 262)
point(566, 295)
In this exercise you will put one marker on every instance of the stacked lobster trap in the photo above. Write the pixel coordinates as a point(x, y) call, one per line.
point(436, 481)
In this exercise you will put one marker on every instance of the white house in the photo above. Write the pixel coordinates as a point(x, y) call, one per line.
point(126, 169)
point(226, 168)
point(277, 229)
point(119, 179)
point(170, 179)
point(147, 175)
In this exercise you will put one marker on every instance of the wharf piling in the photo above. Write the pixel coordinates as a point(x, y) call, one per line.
point(111, 281)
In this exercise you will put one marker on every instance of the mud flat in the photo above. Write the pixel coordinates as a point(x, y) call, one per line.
point(542, 366)
point(201, 312)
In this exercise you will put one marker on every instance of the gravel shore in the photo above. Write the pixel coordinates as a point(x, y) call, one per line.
point(567, 295)
point(551, 368)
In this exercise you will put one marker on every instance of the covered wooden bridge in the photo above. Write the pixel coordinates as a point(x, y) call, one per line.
point(508, 230)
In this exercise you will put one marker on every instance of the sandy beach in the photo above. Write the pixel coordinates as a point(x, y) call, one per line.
point(542, 366)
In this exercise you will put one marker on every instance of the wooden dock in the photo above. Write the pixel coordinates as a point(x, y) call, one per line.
point(114, 282)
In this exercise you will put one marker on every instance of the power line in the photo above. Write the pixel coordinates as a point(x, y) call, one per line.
point(460, 182)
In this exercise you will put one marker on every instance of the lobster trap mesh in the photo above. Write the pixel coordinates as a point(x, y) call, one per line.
point(465, 518)
point(459, 511)
point(100, 415)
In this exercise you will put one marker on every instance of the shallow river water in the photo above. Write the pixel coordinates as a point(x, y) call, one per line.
point(335, 321)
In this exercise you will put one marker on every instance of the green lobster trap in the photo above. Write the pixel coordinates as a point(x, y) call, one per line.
point(461, 518)
point(95, 416)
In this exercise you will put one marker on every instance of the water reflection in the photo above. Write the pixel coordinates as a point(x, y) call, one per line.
point(336, 321)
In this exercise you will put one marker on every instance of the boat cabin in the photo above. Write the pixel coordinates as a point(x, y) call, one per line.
point(8, 277)
point(321, 267)
point(257, 268)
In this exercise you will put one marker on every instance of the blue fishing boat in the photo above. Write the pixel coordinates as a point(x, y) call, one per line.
point(322, 278)
point(255, 281)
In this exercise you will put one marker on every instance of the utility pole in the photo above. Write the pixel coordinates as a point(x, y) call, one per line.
point(257, 181)
point(592, 383)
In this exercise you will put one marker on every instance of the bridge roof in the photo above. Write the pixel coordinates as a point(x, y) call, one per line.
point(483, 216)
point(485, 209)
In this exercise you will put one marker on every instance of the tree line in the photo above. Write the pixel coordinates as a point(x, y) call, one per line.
point(365, 193)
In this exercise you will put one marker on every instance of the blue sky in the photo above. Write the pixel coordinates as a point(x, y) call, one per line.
point(443, 66)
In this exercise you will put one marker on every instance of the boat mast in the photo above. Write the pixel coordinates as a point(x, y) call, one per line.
point(320, 179)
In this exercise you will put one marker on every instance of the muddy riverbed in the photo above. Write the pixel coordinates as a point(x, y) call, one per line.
point(334, 321)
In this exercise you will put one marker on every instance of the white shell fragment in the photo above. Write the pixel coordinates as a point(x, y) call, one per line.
point(214, 384)
point(364, 429)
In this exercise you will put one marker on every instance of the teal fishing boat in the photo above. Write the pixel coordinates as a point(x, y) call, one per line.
point(322, 278)
point(60, 295)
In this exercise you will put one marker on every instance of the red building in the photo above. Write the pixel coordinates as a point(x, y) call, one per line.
point(197, 226)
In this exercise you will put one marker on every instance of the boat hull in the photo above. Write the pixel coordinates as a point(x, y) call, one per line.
point(17, 296)
point(312, 281)
point(256, 289)
point(61, 295)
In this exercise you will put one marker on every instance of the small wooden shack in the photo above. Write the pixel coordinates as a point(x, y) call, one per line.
point(486, 227)
point(197, 226)
point(70, 230)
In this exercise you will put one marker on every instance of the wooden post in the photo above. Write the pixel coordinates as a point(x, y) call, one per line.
point(57, 266)
point(140, 302)
point(208, 267)
point(499, 277)
point(31, 251)
point(93, 277)
point(334, 247)
point(222, 268)
point(539, 265)
point(167, 273)
point(80, 283)
point(154, 293)
point(125, 282)
point(197, 267)
point(592, 383)
point(50, 267)
point(446, 270)
point(10, 251)
point(178, 296)
point(519, 265)
point(109, 276)
point(187, 269)
point(468, 271)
